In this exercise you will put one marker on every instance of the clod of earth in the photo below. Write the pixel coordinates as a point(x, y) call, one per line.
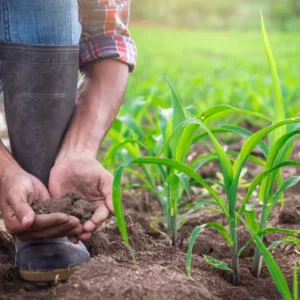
point(70, 205)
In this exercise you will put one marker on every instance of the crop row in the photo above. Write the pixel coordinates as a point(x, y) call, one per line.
point(156, 150)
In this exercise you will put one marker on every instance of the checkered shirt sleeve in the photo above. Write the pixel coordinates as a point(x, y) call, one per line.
point(105, 31)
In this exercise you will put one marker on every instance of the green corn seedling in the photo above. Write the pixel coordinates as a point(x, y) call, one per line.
point(274, 270)
point(167, 184)
point(167, 157)
point(181, 129)
point(281, 142)
point(232, 173)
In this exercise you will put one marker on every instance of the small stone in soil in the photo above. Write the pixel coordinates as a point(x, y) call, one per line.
point(70, 205)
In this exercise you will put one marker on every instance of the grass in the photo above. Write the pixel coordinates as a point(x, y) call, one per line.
point(215, 67)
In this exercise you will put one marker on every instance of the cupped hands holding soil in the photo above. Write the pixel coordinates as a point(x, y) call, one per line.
point(70, 204)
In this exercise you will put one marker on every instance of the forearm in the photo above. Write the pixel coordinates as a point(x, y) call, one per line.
point(99, 97)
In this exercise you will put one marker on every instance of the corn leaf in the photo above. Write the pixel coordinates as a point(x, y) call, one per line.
point(275, 244)
point(267, 184)
point(215, 110)
point(173, 195)
point(192, 241)
point(209, 157)
point(224, 160)
point(246, 134)
point(274, 270)
point(245, 246)
point(177, 118)
point(117, 202)
point(251, 219)
point(184, 179)
point(293, 180)
point(116, 136)
point(118, 209)
point(217, 263)
point(282, 230)
point(255, 183)
point(155, 229)
point(252, 141)
point(220, 228)
point(222, 110)
point(279, 114)
point(288, 239)
point(112, 150)
point(187, 139)
point(131, 124)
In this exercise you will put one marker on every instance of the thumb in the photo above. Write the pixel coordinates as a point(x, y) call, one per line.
point(109, 203)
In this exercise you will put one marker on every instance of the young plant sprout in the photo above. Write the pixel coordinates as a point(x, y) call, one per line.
point(168, 156)
point(232, 173)
point(281, 142)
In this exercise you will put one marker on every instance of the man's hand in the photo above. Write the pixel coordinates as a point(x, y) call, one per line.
point(87, 178)
point(17, 190)
point(99, 97)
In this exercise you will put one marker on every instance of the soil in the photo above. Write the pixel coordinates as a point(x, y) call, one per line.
point(70, 204)
point(160, 271)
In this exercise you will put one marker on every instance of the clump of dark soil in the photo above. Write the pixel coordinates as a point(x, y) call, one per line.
point(70, 204)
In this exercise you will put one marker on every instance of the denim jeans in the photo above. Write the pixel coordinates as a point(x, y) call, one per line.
point(41, 22)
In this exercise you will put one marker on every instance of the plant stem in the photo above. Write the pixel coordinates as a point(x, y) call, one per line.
point(257, 261)
point(235, 266)
point(234, 252)
point(174, 230)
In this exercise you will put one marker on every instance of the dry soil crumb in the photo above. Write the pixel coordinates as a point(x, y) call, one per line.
point(70, 204)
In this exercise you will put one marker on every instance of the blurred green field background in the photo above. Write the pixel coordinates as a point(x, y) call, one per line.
point(213, 67)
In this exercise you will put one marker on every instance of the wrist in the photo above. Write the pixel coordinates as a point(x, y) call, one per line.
point(9, 169)
point(7, 162)
point(68, 153)
point(99, 97)
point(79, 141)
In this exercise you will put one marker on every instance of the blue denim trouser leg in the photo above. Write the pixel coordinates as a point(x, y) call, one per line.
point(40, 22)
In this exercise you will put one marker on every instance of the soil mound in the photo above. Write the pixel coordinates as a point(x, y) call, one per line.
point(103, 278)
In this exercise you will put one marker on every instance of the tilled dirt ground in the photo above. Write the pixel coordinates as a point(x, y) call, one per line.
point(160, 271)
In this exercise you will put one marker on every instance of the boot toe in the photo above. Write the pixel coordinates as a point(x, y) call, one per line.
point(49, 259)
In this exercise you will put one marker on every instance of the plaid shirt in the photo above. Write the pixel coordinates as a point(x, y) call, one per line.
point(104, 31)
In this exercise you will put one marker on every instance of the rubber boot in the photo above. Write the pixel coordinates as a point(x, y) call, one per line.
point(39, 94)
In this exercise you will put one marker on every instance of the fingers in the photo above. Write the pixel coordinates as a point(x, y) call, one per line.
point(76, 231)
point(57, 231)
point(42, 222)
point(23, 210)
point(100, 215)
point(89, 226)
point(85, 236)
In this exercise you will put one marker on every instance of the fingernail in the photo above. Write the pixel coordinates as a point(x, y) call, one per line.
point(26, 220)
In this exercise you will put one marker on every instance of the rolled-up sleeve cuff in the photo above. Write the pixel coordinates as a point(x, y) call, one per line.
point(121, 48)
